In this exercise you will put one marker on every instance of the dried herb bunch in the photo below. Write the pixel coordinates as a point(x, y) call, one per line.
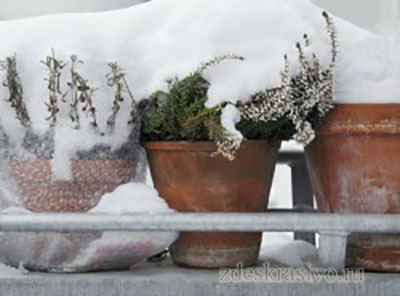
point(13, 82)
point(81, 93)
point(117, 79)
point(54, 68)
point(77, 94)
point(292, 110)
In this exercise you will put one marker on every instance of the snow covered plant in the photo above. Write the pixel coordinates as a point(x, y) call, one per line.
point(180, 114)
point(65, 86)
point(292, 110)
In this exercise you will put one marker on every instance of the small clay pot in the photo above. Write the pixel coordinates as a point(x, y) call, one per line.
point(190, 179)
point(354, 166)
point(91, 179)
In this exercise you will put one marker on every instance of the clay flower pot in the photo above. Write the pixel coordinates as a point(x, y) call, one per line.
point(192, 180)
point(354, 167)
point(91, 179)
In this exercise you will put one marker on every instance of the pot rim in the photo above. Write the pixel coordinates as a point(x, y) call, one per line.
point(198, 145)
point(362, 119)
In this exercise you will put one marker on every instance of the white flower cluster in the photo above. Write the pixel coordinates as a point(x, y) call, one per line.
point(304, 99)
point(227, 146)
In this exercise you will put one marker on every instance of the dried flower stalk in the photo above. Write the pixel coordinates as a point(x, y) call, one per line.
point(54, 68)
point(215, 61)
point(117, 79)
point(81, 93)
point(13, 82)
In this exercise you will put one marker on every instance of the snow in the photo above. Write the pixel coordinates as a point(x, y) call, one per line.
point(131, 198)
point(229, 118)
point(79, 252)
point(288, 253)
point(166, 38)
point(8, 271)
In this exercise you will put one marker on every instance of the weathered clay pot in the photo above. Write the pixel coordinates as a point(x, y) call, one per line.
point(354, 167)
point(192, 180)
point(91, 179)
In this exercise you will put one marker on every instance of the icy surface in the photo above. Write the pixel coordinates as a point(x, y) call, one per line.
point(77, 252)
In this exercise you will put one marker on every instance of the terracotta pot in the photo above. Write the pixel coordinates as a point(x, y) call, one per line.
point(354, 167)
point(191, 180)
point(91, 179)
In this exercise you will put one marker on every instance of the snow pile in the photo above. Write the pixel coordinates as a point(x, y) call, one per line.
point(368, 69)
point(79, 252)
point(8, 271)
point(166, 38)
point(286, 252)
point(131, 198)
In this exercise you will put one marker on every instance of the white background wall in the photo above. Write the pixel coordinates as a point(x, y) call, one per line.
point(10, 9)
point(366, 13)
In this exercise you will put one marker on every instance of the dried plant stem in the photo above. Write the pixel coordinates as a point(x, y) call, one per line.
point(217, 60)
point(54, 68)
point(13, 82)
point(82, 93)
point(117, 79)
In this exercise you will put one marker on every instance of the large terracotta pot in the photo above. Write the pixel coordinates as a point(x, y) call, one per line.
point(91, 179)
point(192, 180)
point(354, 166)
